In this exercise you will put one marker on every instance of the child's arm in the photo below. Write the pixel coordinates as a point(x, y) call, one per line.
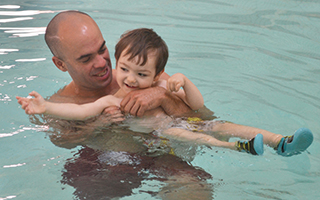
point(38, 105)
point(191, 94)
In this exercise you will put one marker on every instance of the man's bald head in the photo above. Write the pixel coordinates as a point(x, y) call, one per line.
point(53, 36)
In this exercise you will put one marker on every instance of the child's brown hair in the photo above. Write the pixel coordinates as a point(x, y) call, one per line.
point(139, 42)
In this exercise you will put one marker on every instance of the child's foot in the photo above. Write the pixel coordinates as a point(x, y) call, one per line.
point(295, 144)
point(253, 146)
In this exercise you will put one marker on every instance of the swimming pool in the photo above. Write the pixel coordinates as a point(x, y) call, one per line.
point(256, 63)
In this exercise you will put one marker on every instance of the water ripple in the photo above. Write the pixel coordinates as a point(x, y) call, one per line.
point(24, 12)
point(24, 32)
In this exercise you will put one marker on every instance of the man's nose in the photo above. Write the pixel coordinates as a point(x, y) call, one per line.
point(100, 61)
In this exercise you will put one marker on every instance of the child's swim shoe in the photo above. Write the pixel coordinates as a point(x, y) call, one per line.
point(253, 146)
point(295, 144)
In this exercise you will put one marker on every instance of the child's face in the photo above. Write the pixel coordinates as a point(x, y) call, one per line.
point(131, 76)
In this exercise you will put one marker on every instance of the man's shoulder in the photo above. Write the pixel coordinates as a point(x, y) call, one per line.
point(62, 96)
point(58, 97)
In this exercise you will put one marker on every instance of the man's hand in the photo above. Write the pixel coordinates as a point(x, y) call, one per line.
point(138, 102)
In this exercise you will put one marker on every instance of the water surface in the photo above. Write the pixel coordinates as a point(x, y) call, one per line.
point(256, 63)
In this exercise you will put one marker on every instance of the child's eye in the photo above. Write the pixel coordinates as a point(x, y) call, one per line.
point(123, 69)
point(142, 75)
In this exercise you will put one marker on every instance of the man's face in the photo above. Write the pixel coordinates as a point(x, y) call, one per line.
point(131, 76)
point(86, 56)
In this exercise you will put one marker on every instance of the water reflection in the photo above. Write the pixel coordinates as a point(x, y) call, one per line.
point(24, 12)
point(13, 165)
point(10, 6)
point(94, 177)
point(30, 60)
point(6, 66)
point(24, 15)
point(35, 128)
point(233, 45)
point(24, 32)
point(6, 51)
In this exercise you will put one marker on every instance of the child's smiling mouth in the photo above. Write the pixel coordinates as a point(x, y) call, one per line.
point(131, 87)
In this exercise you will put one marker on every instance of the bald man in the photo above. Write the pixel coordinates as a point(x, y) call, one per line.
point(79, 48)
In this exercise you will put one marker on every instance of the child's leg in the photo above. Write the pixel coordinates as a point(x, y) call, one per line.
point(198, 138)
point(286, 146)
point(245, 132)
point(254, 146)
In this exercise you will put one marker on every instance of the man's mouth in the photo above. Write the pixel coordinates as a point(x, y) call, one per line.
point(102, 73)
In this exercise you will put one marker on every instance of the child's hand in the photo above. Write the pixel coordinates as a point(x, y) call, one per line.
point(33, 105)
point(175, 82)
point(112, 114)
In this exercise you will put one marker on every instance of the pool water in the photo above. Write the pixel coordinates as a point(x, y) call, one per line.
point(256, 63)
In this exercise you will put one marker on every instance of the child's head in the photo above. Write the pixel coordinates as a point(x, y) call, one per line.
point(141, 56)
point(141, 42)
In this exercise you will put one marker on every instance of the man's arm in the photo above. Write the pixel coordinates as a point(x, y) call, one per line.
point(138, 102)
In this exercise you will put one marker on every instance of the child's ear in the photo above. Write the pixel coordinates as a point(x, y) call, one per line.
point(156, 78)
point(59, 64)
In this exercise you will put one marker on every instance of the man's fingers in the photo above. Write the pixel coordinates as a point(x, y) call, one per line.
point(125, 101)
point(131, 106)
point(141, 111)
point(137, 102)
point(134, 109)
point(127, 106)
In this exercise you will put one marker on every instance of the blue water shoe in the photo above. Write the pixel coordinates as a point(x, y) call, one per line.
point(253, 146)
point(295, 144)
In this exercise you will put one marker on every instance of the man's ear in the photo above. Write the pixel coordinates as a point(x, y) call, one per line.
point(156, 78)
point(59, 63)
